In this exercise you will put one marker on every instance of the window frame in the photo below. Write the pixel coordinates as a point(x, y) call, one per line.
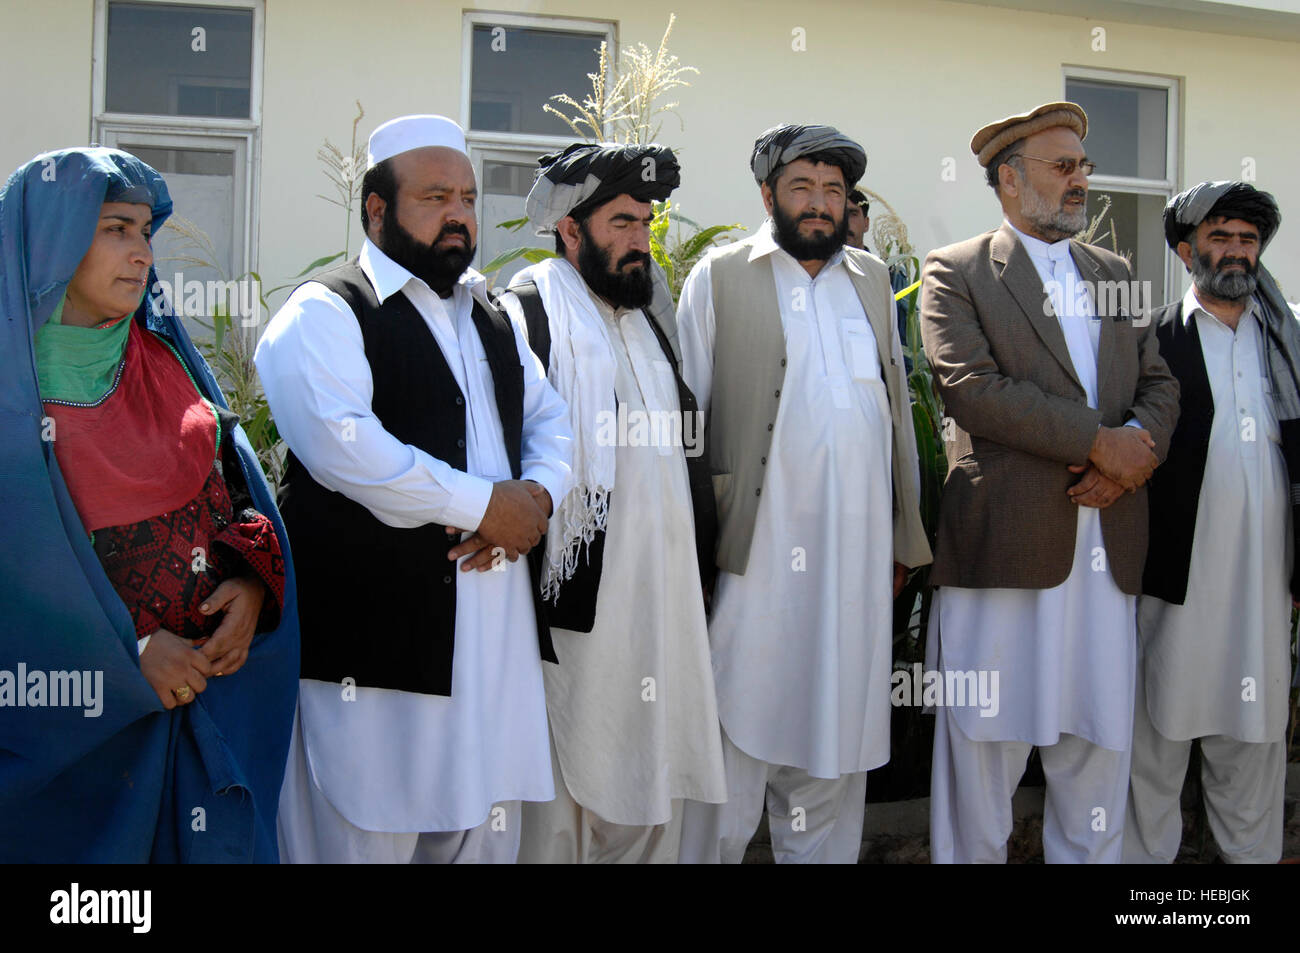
point(240, 136)
point(553, 24)
point(1170, 184)
point(517, 147)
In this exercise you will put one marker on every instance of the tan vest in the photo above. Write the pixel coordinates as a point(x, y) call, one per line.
point(748, 372)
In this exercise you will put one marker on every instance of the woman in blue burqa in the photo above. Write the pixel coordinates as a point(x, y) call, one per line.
point(148, 626)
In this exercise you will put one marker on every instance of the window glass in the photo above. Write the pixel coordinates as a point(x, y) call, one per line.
point(1128, 127)
point(514, 72)
point(1133, 226)
point(179, 60)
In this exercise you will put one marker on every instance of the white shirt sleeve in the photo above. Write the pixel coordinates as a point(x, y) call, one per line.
point(313, 366)
point(695, 329)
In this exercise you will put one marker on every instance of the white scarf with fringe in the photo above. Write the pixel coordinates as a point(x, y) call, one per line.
point(581, 369)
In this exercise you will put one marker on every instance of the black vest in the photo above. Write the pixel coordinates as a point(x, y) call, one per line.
point(1174, 491)
point(575, 604)
point(378, 604)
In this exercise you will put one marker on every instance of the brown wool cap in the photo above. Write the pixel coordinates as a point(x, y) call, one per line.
point(996, 136)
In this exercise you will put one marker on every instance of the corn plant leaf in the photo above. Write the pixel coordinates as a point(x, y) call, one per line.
point(320, 263)
point(704, 238)
point(219, 324)
point(533, 255)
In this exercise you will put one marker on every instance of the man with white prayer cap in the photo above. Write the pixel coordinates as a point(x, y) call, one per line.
point(634, 721)
point(1060, 408)
point(1214, 620)
point(790, 344)
point(421, 431)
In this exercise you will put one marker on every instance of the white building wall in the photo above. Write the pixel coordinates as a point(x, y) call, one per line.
point(911, 81)
point(45, 51)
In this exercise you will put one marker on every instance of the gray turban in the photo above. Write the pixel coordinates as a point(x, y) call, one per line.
point(1188, 209)
point(783, 144)
point(585, 176)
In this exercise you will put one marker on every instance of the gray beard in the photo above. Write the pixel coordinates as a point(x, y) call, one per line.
point(1232, 286)
point(1038, 211)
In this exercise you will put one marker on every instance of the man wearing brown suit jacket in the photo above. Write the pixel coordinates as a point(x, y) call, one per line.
point(1058, 409)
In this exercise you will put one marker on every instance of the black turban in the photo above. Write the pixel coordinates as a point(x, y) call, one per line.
point(585, 176)
point(1188, 209)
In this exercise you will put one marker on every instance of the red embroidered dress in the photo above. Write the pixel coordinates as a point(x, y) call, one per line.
point(151, 470)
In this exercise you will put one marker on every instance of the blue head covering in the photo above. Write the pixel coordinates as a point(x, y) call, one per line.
point(122, 784)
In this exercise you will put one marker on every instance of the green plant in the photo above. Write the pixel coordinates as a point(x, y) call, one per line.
point(529, 253)
point(907, 775)
point(912, 608)
point(675, 253)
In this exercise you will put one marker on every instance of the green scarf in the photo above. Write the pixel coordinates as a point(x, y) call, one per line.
point(78, 365)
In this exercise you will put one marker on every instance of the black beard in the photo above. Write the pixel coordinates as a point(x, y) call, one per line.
point(440, 270)
point(631, 289)
point(816, 248)
point(1225, 287)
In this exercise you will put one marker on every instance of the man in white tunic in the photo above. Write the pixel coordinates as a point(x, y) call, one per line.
point(634, 723)
point(421, 430)
point(1214, 618)
point(1042, 379)
point(789, 342)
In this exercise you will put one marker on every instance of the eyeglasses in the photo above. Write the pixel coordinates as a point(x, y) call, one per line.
point(1064, 167)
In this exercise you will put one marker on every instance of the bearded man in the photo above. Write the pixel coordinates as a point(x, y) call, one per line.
point(789, 343)
point(1214, 620)
point(421, 430)
point(634, 723)
point(858, 215)
point(1058, 409)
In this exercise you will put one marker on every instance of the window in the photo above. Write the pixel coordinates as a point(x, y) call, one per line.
point(178, 85)
point(512, 66)
point(1133, 138)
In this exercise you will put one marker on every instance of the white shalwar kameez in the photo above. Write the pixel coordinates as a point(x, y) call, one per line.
point(802, 645)
point(1218, 666)
point(1065, 659)
point(633, 716)
point(379, 775)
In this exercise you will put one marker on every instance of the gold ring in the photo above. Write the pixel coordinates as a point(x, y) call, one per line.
point(182, 693)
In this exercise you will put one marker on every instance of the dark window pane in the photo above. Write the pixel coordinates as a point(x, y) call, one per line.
point(179, 61)
point(513, 74)
point(1128, 127)
point(1133, 227)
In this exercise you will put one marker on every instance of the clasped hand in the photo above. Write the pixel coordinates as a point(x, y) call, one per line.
point(1121, 460)
point(172, 664)
point(1124, 454)
point(514, 523)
